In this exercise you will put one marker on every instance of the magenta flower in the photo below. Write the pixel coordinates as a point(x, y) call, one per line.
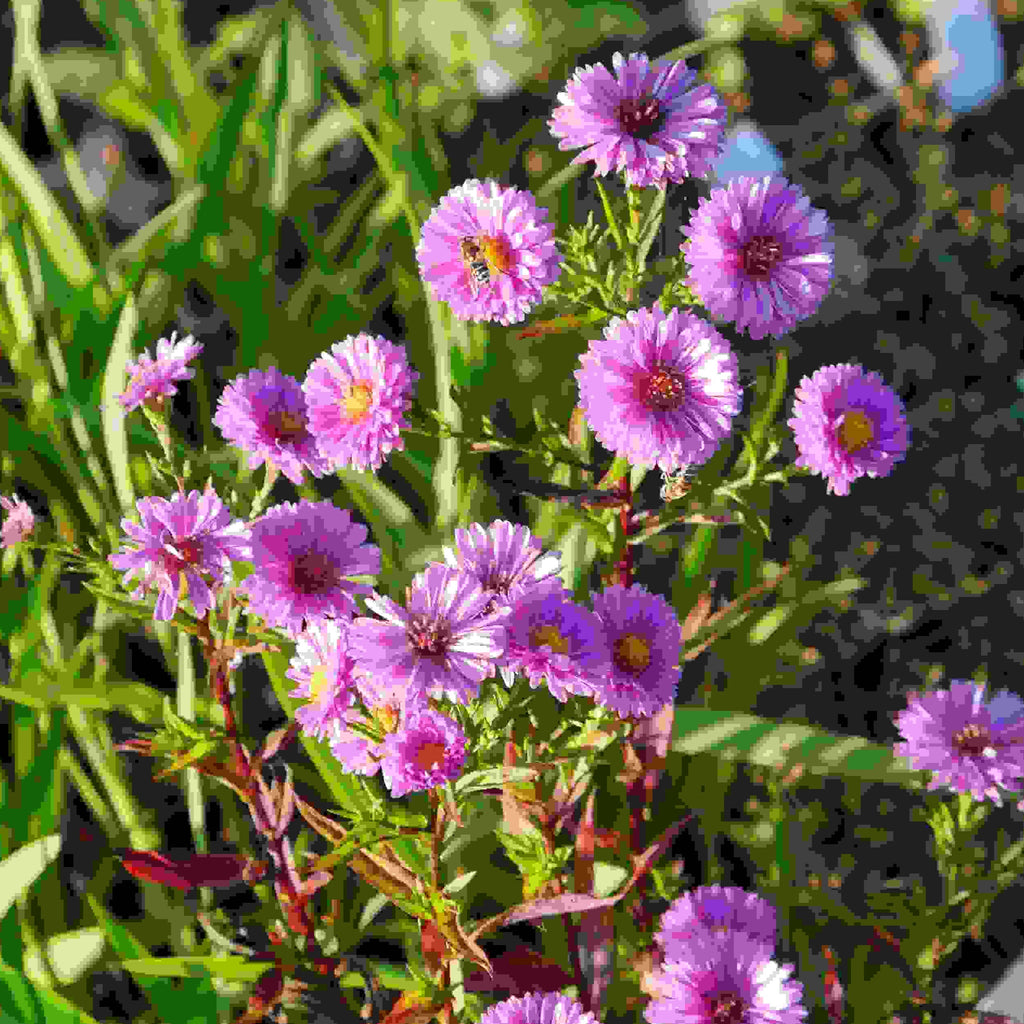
point(652, 122)
point(428, 750)
point(488, 251)
point(550, 637)
point(728, 977)
point(969, 745)
point(357, 396)
point(19, 522)
point(265, 414)
point(642, 634)
point(149, 379)
point(183, 539)
point(322, 668)
point(444, 644)
point(846, 424)
point(304, 555)
point(716, 909)
point(537, 1008)
point(759, 254)
point(660, 389)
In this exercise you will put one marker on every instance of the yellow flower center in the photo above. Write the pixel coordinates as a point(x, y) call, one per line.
point(356, 401)
point(632, 653)
point(284, 425)
point(549, 635)
point(856, 430)
point(318, 682)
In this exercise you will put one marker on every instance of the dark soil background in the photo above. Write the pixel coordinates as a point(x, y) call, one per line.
point(946, 593)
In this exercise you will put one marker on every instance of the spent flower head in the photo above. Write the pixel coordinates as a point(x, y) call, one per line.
point(848, 424)
point(18, 523)
point(264, 413)
point(651, 121)
point(660, 389)
point(357, 395)
point(444, 644)
point(150, 379)
point(181, 541)
point(970, 745)
point(642, 634)
point(759, 254)
point(488, 252)
point(304, 555)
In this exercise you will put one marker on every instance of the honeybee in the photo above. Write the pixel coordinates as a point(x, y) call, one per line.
point(479, 259)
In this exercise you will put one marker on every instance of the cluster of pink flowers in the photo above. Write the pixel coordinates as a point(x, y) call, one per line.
point(496, 605)
point(660, 388)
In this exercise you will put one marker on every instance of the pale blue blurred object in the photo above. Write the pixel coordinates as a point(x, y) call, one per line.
point(747, 151)
point(969, 50)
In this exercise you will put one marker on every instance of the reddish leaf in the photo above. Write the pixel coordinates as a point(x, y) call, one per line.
point(188, 872)
point(519, 971)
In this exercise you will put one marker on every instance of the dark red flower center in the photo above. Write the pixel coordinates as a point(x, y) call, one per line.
point(639, 116)
point(313, 573)
point(760, 255)
point(727, 1009)
point(284, 426)
point(972, 740)
point(189, 554)
point(663, 389)
point(429, 636)
point(428, 755)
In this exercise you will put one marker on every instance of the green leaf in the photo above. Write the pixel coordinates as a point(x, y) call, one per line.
point(783, 745)
point(54, 229)
point(30, 1003)
point(70, 954)
point(232, 968)
point(650, 227)
point(491, 778)
point(191, 1000)
point(113, 414)
point(20, 870)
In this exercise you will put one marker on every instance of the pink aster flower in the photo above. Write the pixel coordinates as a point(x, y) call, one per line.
point(969, 745)
point(537, 1008)
point(181, 540)
point(19, 522)
point(846, 424)
point(322, 668)
point(506, 560)
point(660, 389)
point(265, 414)
point(759, 254)
point(444, 644)
point(550, 637)
point(642, 634)
point(488, 251)
point(653, 122)
point(149, 379)
point(716, 909)
point(357, 396)
point(304, 555)
point(728, 977)
point(357, 753)
point(428, 750)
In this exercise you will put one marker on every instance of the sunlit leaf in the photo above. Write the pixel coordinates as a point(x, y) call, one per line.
point(20, 870)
